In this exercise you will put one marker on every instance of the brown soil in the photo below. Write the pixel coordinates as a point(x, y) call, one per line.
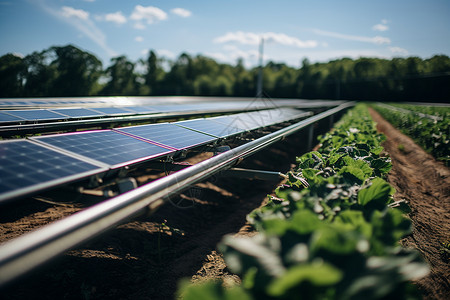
point(425, 184)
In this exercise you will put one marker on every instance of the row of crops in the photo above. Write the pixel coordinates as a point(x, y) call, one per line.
point(428, 126)
point(331, 232)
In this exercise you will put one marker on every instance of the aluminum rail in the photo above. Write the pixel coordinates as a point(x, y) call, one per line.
point(31, 250)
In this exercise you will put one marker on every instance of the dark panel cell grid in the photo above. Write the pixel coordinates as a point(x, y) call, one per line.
point(24, 164)
point(112, 110)
point(209, 127)
point(170, 135)
point(140, 109)
point(78, 112)
point(4, 117)
point(106, 146)
point(35, 114)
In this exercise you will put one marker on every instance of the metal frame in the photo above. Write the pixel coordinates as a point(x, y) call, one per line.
point(31, 250)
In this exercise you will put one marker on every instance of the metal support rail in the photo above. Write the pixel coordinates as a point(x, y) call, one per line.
point(407, 111)
point(31, 250)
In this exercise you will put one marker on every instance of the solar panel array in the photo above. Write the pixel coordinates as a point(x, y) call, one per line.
point(105, 146)
point(170, 135)
point(54, 114)
point(37, 163)
point(102, 107)
point(27, 167)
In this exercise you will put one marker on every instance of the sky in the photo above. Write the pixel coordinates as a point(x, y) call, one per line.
point(292, 30)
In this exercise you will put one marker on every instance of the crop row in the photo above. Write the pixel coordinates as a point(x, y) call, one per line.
point(331, 231)
point(432, 135)
point(438, 111)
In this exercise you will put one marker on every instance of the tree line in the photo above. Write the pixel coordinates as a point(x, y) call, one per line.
point(67, 71)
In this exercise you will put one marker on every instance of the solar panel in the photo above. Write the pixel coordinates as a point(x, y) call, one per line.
point(4, 117)
point(171, 108)
point(210, 127)
point(170, 135)
point(78, 112)
point(141, 109)
point(112, 110)
point(36, 114)
point(239, 121)
point(26, 167)
point(106, 146)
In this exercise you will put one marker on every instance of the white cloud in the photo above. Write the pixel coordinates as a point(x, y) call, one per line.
point(283, 39)
point(139, 39)
point(150, 14)
point(139, 25)
point(398, 50)
point(250, 38)
point(382, 26)
point(231, 53)
point(79, 19)
point(69, 12)
point(246, 38)
point(181, 12)
point(379, 40)
point(116, 17)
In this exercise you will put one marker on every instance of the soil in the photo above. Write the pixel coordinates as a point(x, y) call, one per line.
point(425, 183)
point(146, 258)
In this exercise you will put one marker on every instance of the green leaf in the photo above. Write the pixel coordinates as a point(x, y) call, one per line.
point(336, 239)
point(356, 220)
point(353, 174)
point(378, 193)
point(382, 166)
point(211, 290)
point(305, 221)
point(319, 274)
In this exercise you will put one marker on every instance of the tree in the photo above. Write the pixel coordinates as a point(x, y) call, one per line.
point(155, 73)
point(39, 75)
point(122, 78)
point(12, 75)
point(78, 71)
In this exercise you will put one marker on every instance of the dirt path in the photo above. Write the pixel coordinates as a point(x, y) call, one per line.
point(425, 184)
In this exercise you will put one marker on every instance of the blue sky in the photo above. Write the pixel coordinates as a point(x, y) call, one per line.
point(319, 30)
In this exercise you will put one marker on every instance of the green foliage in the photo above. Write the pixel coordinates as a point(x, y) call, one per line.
point(211, 290)
point(70, 71)
point(428, 126)
point(332, 230)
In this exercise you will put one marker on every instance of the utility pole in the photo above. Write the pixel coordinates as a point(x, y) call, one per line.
point(259, 84)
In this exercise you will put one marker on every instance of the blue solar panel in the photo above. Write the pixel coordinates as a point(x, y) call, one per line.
point(171, 108)
point(141, 109)
point(78, 112)
point(4, 117)
point(26, 167)
point(238, 121)
point(170, 135)
point(36, 114)
point(112, 110)
point(106, 146)
point(210, 127)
